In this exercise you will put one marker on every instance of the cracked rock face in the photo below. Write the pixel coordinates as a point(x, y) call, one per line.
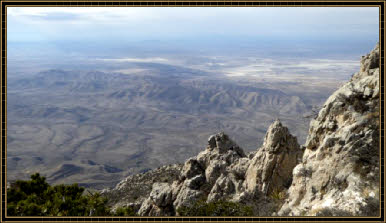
point(340, 167)
point(206, 168)
point(201, 177)
point(159, 201)
point(271, 167)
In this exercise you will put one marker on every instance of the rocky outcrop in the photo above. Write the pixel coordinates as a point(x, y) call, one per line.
point(271, 167)
point(223, 172)
point(135, 189)
point(200, 175)
point(339, 172)
point(159, 201)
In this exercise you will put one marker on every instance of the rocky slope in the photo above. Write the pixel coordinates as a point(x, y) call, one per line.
point(136, 188)
point(336, 172)
point(340, 166)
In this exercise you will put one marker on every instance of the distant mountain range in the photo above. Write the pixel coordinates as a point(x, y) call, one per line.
point(94, 127)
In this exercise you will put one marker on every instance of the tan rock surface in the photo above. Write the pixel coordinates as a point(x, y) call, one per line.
point(339, 173)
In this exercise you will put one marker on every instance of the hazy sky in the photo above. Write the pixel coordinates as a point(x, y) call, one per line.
point(154, 23)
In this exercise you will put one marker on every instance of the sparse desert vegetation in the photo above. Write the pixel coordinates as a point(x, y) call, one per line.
point(97, 127)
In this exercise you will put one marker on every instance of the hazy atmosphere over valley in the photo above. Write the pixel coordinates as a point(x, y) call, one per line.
point(97, 94)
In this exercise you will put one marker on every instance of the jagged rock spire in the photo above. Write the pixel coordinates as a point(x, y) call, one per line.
point(271, 167)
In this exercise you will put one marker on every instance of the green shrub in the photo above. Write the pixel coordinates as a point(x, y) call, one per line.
point(218, 208)
point(37, 198)
point(128, 211)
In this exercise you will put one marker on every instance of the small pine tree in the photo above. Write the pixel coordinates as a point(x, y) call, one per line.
point(36, 197)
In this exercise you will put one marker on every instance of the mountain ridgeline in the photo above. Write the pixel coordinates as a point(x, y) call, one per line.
point(335, 173)
point(95, 128)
